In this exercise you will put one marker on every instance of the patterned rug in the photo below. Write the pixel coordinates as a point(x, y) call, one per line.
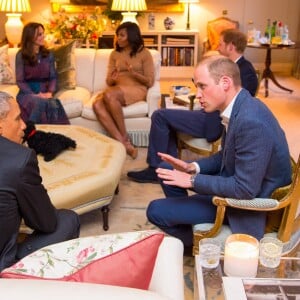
point(127, 213)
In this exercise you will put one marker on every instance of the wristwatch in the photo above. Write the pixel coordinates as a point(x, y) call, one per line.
point(192, 180)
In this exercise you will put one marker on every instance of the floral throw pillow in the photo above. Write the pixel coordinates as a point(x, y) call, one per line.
point(65, 66)
point(124, 259)
point(6, 72)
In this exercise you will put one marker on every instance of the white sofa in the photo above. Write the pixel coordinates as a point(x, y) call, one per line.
point(166, 282)
point(91, 66)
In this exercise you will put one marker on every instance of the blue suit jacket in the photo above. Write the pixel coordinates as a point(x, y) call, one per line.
point(253, 162)
point(248, 75)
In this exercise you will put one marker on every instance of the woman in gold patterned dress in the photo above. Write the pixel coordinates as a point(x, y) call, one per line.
point(130, 73)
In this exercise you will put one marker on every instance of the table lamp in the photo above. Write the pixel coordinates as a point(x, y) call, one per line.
point(14, 25)
point(188, 2)
point(129, 9)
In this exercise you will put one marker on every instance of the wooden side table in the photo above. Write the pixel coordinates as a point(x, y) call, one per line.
point(267, 72)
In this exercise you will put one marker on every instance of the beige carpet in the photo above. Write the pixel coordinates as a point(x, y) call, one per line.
point(128, 212)
point(128, 207)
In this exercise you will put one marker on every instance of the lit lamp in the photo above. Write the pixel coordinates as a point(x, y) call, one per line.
point(129, 8)
point(188, 2)
point(14, 25)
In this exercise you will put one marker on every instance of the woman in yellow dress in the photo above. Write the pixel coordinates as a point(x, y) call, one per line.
point(130, 73)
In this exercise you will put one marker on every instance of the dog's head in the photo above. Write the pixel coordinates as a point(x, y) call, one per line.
point(30, 127)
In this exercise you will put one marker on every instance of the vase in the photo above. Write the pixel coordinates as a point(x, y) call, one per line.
point(169, 23)
point(78, 42)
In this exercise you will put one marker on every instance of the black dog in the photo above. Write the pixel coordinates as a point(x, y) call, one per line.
point(48, 144)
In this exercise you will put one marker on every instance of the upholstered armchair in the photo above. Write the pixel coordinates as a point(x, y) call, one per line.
point(214, 28)
point(283, 218)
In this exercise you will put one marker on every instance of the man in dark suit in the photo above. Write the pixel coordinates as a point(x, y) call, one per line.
point(22, 195)
point(253, 162)
point(167, 122)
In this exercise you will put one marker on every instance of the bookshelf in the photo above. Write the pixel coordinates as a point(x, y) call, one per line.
point(179, 50)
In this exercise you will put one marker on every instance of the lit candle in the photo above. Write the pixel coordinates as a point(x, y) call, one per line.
point(241, 256)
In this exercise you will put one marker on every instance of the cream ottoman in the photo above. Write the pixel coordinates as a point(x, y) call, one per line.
point(85, 178)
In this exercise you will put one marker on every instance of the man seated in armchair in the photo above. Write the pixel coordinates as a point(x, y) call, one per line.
point(254, 160)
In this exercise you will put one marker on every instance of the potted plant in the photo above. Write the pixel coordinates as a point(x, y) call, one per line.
point(111, 14)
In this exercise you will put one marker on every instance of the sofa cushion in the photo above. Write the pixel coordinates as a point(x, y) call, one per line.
point(125, 259)
point(135, 110)
point(6, 72)
point(73, 100)
point(56, 290)
point(11, 89)
point(65, 66)
point(85, 67)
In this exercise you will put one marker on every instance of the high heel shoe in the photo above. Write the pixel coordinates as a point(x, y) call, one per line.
point(131, 150)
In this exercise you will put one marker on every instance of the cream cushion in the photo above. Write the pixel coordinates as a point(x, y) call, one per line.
point(87, 177)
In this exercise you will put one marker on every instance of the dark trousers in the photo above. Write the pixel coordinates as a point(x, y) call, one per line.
point(165, 123)
point(68, 227)
point(178, 212)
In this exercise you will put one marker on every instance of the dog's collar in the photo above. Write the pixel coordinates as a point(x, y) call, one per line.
point(33, 132)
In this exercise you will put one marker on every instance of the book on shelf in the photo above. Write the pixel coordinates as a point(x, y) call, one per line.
point(236, 288)
point(177, 43)
point(165, 55)
point(149, 41)
point(171, 58)
point(188, 57)
point(178, 40)
point(177, 56)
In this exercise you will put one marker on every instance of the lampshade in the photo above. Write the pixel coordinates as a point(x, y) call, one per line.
point(188, 2)
point(60, 1)
point(15, 6)
point(129, 8)
point(14, 25)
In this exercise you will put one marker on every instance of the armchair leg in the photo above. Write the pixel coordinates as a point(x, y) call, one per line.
point(105, 211)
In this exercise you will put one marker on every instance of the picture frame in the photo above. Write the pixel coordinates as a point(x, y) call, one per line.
point(77, 6)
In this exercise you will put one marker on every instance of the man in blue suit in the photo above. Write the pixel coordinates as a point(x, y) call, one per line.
point(253, 162)
point(167, 122)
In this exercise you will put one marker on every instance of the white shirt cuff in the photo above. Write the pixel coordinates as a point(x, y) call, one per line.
point(197, 167)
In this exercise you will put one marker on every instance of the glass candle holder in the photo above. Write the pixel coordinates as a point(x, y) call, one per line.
point(241, 255)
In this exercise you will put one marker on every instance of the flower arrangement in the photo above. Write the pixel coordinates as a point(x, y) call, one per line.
point(82, 26)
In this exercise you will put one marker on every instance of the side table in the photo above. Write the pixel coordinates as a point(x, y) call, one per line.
point(208, 282)
point(267, 72)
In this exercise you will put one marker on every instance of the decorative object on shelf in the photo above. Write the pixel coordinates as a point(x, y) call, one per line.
point(169, 23)
point(188, 2)
point(82, 27)
point(14, 25)
point(151, 21)
point(129, 9)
